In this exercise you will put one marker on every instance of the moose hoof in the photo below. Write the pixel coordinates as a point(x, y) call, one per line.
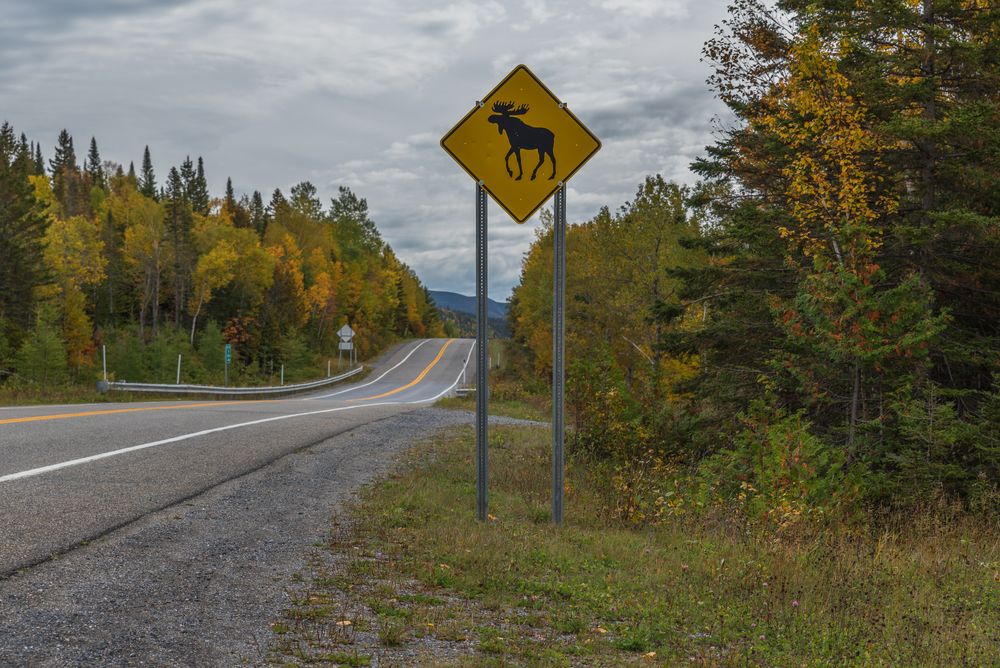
point(518, 178)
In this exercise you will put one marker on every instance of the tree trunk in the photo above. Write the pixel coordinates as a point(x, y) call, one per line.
point(855, 400)
point(927, 146)
point(194, 320)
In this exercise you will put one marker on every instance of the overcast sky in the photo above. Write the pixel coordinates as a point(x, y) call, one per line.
point(359, 94)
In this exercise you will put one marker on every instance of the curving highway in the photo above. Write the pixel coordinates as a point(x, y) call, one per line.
point(70, 473)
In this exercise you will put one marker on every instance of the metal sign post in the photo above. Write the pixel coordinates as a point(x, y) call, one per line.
point(229, 357)
point(521, 116)
point(558, 351)
point(482, 356)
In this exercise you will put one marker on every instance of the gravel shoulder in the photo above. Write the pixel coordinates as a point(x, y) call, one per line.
point(199, 582)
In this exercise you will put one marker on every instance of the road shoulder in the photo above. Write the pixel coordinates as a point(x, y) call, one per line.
point(198, 583)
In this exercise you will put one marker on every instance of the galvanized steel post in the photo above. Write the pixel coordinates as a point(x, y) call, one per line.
point(558, 351)
point(482, 356)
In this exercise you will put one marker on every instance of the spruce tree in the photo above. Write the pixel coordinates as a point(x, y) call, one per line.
point(39, 161)
point(179, 231)
point(258, 216)
point(229, 203)
point(67, 182)
point(93, 165)
point(65, 155)
point(22, 229)
point(198, 193)
point(188, 177)
point(147, 181)
point(131, 173)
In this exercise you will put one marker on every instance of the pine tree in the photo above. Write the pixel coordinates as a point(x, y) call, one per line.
point(277, 202)
point(147, 182)
point(93, 166)
point(131, 173)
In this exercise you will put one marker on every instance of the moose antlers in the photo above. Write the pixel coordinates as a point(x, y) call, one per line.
point(507, 109)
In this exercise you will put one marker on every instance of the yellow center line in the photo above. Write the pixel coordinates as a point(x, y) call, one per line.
point(67, 416)
point(415, 380)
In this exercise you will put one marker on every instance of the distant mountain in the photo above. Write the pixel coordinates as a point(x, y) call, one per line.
point(465, 304)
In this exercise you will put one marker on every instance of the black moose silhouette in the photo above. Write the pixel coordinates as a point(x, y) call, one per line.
point(522, 136)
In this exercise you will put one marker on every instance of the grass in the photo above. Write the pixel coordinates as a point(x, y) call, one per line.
point(700, 590)
point(29, 395)
point(521, 409)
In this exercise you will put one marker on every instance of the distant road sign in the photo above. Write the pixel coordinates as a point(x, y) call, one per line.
point(346, 333)
point(229, 353)
point(521, 142)
point(346, 345)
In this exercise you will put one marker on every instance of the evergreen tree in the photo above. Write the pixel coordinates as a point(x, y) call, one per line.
point(93, 166)
point(277, 202)
point(39, 162)
point(229, 203)
point(198, 193)
point(42, 357)
point(258, 215)
point(179, 231)
point(22, 229)
point(65, 156)
point(188, 177)
point(855, 214)
point(66, 178)
point(349, 213)
point(131, 173)
point(147, 182)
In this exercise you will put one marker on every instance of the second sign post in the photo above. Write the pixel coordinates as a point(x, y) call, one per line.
point(521, 125)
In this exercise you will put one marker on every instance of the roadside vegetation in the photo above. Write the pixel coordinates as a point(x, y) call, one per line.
point(508, 395)
point(98, 256)
point(782, 385)
point(410, 578)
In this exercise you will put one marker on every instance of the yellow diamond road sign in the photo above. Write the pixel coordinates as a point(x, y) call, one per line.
point(521, 142)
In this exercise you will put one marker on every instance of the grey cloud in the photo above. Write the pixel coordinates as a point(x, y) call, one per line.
point(358, 94)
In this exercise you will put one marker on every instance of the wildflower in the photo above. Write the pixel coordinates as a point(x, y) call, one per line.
point(795, 603)
point(762, 636)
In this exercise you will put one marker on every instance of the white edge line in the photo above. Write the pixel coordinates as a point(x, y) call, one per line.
point(184, 437)
point(351, 389)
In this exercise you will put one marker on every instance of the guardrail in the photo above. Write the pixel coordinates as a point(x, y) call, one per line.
point(215, 390)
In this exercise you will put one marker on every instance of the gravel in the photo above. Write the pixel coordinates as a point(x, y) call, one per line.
point(198, 583)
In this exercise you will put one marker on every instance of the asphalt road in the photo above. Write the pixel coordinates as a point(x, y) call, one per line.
point(69, 474)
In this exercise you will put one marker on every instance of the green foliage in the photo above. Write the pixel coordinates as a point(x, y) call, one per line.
point(608, 423)
point(41, 359)
point(149, 268)
point(777, 471)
